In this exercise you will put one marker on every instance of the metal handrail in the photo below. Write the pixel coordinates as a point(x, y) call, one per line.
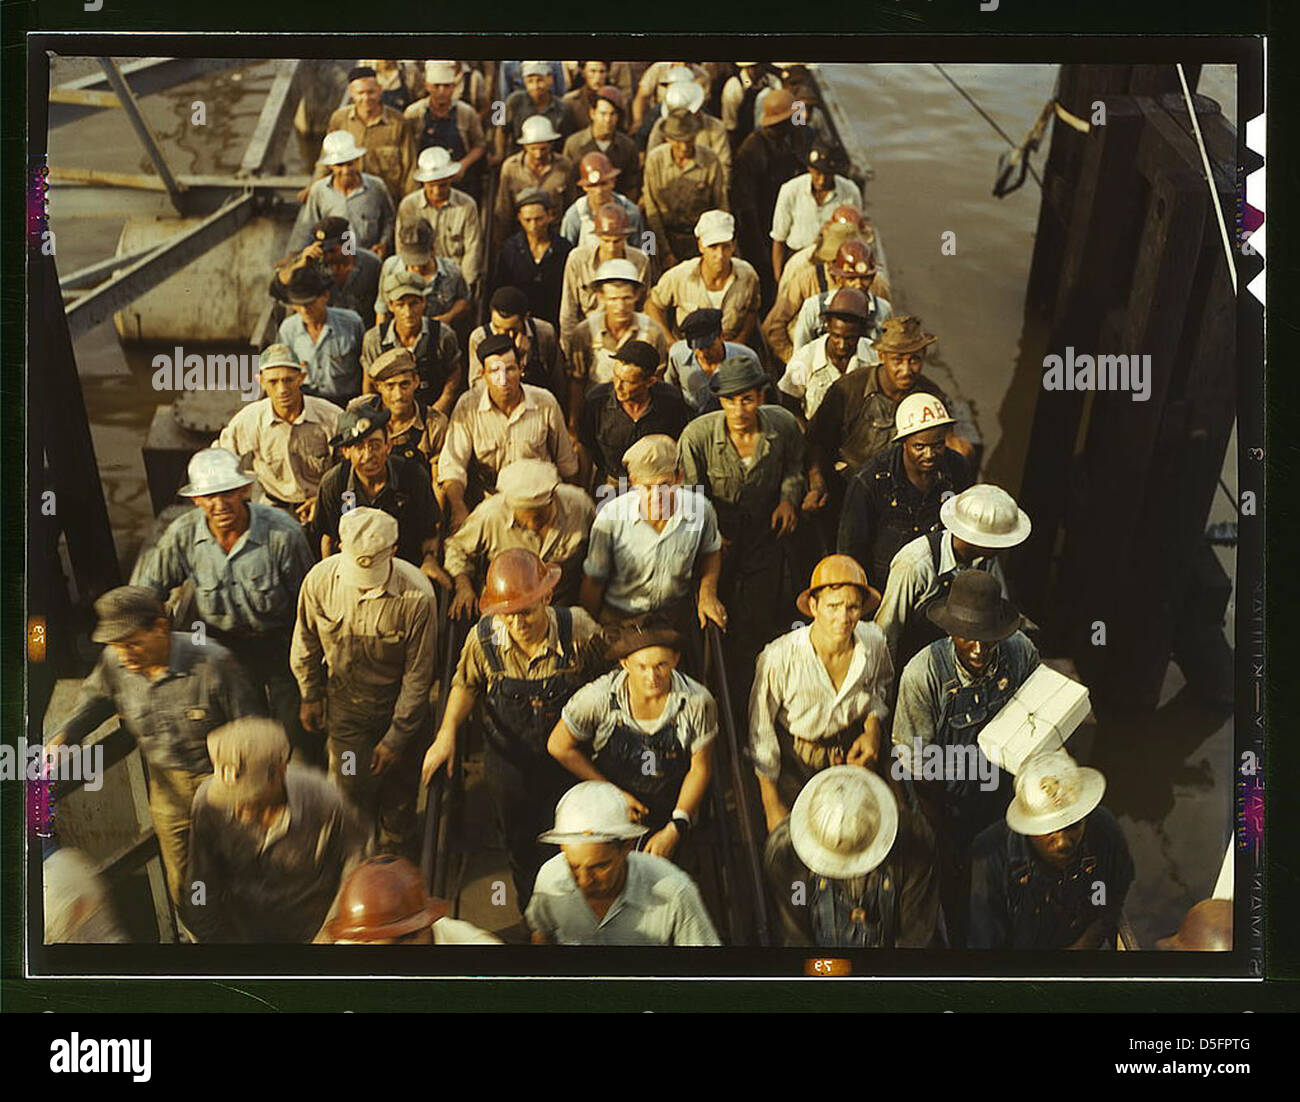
point(744, 805)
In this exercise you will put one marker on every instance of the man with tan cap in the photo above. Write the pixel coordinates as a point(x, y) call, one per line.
point(597, 891)
point(593, 345)
point(415, 433)
point(535, 165)
point(806, 201)
point(247, 562)
point(648, 546)
point(1055, 874)
point(363, 654)
point(854, 267)
point(978, 525)
point(169, 692)
point(284, 438)
point(349, 193)
point(440, 119)
point(851, 869)
point(609, 241)
point(535, 100)
point(381, 130)
point(439, 365)
point(495, 424)
point(896, 497)
point(446, 296)
point(683, 93)
point(533, 258)
point(532, 509)
point(821, 692)
point(271, 842)
point(597, 177)
point(947, 694)
point(682, 181)
point(714, 279)
point(604, 133)
point(452, 214)
point(522, 662)
point(817, 366)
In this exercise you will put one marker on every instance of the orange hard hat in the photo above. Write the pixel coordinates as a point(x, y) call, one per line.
point(383, 898)
point(596, 168)
point(854, 258)
point(612, 221)
point(840, 570)
point(849, 215)
point(516, 579)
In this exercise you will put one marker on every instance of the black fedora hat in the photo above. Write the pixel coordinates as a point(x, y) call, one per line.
point(974, 608)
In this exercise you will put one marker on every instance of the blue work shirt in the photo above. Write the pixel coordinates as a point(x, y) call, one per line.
point(334, 359)
point(685, 373)
point(254, 589)
point(579, 224)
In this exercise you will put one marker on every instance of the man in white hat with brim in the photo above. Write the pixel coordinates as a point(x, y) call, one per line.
point(381, 129)
point(598, 891)
point(851, 869)
point(1054, 875)
point(896, 497)
point(537, 99)
point(363, 654)
point(683, 92)
point(452, 214)
point(247, 563)
point(441, 119)
point(535, 165)
point(348, 193)
point(979, 524)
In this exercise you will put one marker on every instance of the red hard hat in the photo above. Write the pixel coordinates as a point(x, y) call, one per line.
point(383, 898)
point(849, 215)
point(596, 168)
point(516, 579)
point(612, 221)
point(854, 258)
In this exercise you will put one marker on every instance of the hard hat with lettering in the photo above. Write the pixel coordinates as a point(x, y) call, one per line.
point(918, 412)
point(516, 579)
point(592, 811)
point(383, 898)
point(854, 258)
point(1052, 793)
point(214, 471)
point(986, 516)
point(843, 822)
point(839, 570)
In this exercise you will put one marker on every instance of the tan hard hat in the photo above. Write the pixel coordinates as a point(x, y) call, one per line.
point(1206, 928)
point(840, 570)
point(516, 579)
point(383, 898)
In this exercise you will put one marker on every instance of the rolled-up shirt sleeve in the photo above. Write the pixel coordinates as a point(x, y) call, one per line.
point(585, 709)
point(763, 707)
point(879, 673)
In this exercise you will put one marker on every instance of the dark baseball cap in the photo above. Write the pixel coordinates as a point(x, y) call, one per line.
point(356, 424)
point(702, 327)
point(495, 344)
point(329, 231)
point(123, 611)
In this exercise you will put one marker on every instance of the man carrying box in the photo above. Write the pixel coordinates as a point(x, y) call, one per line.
point(946, 695)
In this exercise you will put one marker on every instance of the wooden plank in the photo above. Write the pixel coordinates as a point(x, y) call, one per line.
point(82, 98)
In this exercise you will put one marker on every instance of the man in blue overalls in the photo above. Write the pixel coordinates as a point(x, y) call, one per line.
point(650, 729)
point(523, 661)
point(850, 869)
point(946, 694)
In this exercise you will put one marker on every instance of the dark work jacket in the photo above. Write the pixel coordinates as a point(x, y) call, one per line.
point(542, 283)
point(1020, 902)
point(606, 431)
point(407, 496)
point(883, 510)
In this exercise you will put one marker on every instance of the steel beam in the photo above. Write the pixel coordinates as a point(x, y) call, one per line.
point(142, 131)
point(146, 274)
point(148, 75)
point(273, 123)
point(139, 181)
point(82, 98)
point(99, 271)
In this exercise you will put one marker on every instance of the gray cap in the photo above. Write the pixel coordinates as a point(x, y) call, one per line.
point(247, 754)
point(123, 611)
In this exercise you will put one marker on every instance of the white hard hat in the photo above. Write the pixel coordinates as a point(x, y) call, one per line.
point(619, 268)
point(986, 516)
point(918, 412)
point(214, 471)
point(435, 163)
point(537, 129)
point(844, 822)
point(340, 147)
point(681, 92)
point(593, 811)
point(1053, 792)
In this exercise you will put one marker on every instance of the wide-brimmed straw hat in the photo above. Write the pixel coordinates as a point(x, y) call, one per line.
point(844, 822)
point(1053, 792)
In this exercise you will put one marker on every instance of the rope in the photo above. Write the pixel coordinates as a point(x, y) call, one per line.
point(985, 116)
point(1209, 179)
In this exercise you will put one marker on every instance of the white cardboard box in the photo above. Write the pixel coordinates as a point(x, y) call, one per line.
point(1042, 715)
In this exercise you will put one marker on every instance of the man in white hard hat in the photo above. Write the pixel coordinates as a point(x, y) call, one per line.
point(897, 496)
point(683, 92)
point(348, 193)
point(440, 119)
point(390, 152)
point(452, 214)
point(363, 654)
point(1055, 874)
point(535, 165)
point(536, 99)
point(851, 869)
point(597, 891)
point(979, 524)
point(247, 563)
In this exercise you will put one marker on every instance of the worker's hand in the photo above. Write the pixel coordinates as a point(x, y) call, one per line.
point(435, 573)
point(709, 608)
point(442, 752)
point(311, 714)
point(784, 519)
point(664, 843)
point(314, 251)
point(302, 195)
point(380, 249)
point(815, 498)
point(306, 512)
point(464, 604)
point(459, 514)
point(635, 807)
point(775, 814)
point(865, 750)
point(381, 758)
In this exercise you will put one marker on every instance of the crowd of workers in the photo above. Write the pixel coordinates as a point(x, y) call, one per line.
point(689, 402)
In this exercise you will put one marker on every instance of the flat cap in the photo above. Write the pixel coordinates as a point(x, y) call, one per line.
point(278, 355)
point(390, 363)
point(528, 483)
point(123, 611)
point(415, 242)
point(702, 327)
point(532, 195)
